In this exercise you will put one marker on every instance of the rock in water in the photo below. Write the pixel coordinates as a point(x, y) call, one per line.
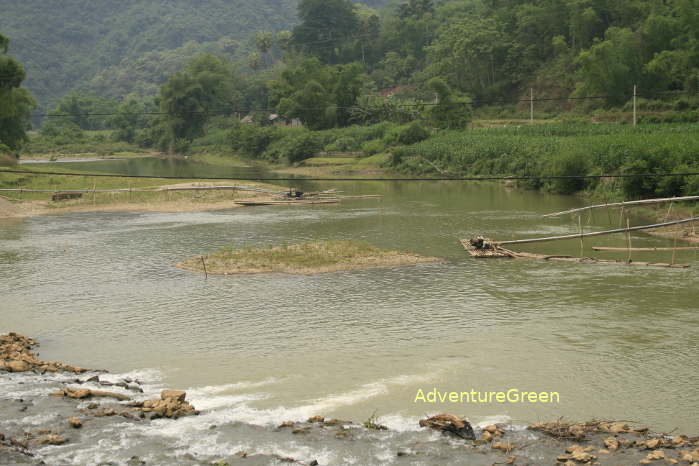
point(178, 395)
point(75, 422)
point(171, 404)
point(450, 424)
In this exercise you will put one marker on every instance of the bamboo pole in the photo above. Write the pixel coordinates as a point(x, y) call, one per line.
point(582, 241)
point(206, 274)
point(627, 203)
point(628, 238)
point(674, 249)
point(598, 233)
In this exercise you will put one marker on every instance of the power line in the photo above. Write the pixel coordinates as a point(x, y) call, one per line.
point(464, 178)
point(229, 111)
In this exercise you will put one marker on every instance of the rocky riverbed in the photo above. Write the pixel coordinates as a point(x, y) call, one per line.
point(56, 413)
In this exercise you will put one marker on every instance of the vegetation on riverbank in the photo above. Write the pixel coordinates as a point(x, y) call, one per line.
point(566, 150)
point(304, 258)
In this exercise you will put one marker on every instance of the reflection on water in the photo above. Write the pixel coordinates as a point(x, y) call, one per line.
point(98, 290)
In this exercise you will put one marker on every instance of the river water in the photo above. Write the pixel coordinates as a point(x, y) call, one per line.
point(615, 342)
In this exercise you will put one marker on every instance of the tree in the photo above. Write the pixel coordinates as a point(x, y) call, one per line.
point(127, 120)
point(611, 67)
point(451, 111)
point(284, 39)
point(319, 95)
point(190, 97)
point(16, 103)
point(326, 25)
point(88, 111)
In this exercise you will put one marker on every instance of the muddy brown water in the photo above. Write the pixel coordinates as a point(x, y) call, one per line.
point(98, 290)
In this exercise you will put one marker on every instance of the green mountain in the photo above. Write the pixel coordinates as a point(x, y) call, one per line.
point(64, 44)
point(130, 46)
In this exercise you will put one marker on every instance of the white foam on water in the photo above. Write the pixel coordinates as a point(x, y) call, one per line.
point(224, 401)
point(145, 376)
point(104, 450)
point(495, 419)
point(220, 409)
point(215, 389)
point(399, 423)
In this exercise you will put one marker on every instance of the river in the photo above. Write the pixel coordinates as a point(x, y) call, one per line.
point(615, 342)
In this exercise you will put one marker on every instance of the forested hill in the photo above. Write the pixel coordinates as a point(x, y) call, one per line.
point(65, 44)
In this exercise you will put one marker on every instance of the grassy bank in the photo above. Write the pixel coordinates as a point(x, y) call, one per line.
point(80, 144)
point(142, 194)
point(305, 258)
point(571, 149)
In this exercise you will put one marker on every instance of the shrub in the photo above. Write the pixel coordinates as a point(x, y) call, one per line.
point(302, 147)
point(344, 144)
point(253, 140)
point(413, 133)
point(373, 147)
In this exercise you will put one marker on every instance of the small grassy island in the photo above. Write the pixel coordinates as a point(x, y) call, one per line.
point(305, 258)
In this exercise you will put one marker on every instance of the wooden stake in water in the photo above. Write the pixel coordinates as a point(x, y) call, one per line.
point(531, 105)
point(582, 241)
point(94, 189)
point(674, 247)
point(203, 262)
point(628, 239)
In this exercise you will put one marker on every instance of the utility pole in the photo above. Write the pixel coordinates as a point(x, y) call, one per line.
point(635, 120)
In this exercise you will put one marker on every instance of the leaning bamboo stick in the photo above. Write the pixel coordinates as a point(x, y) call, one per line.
point(627, 203)
point(596, 248)
point(598, 233)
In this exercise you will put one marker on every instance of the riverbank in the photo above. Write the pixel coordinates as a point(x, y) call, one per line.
point(34, 194)
point(56, 413)
point(301, 259)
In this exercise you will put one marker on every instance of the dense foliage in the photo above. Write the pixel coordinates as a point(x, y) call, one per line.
point(16, 103)
point(567, 150)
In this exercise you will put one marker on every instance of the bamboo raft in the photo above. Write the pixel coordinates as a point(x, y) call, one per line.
point(496, 251)
point(253, 202)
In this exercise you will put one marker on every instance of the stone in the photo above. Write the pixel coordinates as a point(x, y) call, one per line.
point(656, 455)
point(336, 422)
point(83, 393)
point(177, 395)
point(611, 443)
point(487, 436)
point(75, 422)
point(170, 405)
point(17, 366)
point(316, 419)
point(52, 439)
point(502, 446)
point(286, 424)
point(653, 443)
point(618, 428)
point(451, 424)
